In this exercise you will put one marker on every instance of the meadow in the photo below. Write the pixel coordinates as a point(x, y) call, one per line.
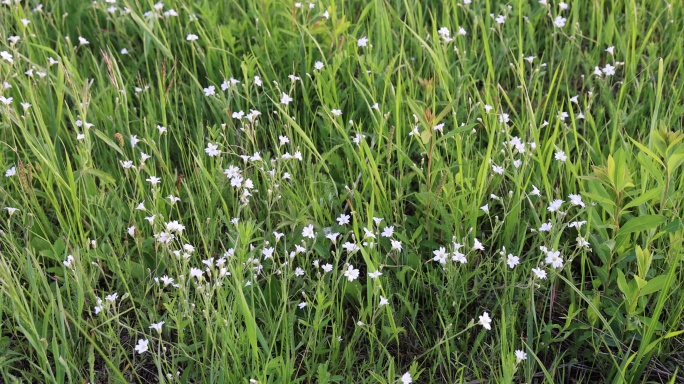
point(326, 191)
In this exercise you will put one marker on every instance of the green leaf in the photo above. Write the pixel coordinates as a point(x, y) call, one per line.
point(657, 173)
point(673, 334)
point(674, 161)
point(107, 140)
point(599, 199)
point(647, 151)
point(673, 226)
point(654, 285)
point(622, 283)
point(455, 132)
point(644, 198)
point(641, 223)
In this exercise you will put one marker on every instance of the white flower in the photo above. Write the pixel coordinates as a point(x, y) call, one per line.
point(577, 224)
point(336, 112)
point(512, 260)
point(196, 272)
point(351, 247)
point(141, 347)
point(153, 180)
point(82, 41)
point(444, 32)
point(11, 172)
point(396, 245)
point(302, 305)
point(539, 273)
point(478, 245)
point(175, 226)
point(191, 37)
point(460, 257)
point(308, 231)
point(383, 301)
point(576, 200)
point(212, 150)
point(134, 140)
point(68, 261)
point(440, 255)
point(609, 70)
point(285, 99)
point(7, 56)
point(485, 321)
point(535, 191)
point(582, 242)
point(520, 355)
point(343, 219)
point(375, 275)
point(318, 65)
point(362, 42)
point(545, 227)
point(560, 156)
point(610, 49)
point(500, 19)
point(388, 231)
point(559, 21)
point(112, 298)
point(554, 259)
point(327, 267)
point(351, 274)
point(554, 205)
point(209, 91)
point(406, 378)
point(157, 326)
point(257, 81)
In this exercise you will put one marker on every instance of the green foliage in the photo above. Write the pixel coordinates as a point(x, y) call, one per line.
point(516, 159)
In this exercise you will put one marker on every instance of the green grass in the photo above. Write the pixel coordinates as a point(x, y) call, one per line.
point(454, 140)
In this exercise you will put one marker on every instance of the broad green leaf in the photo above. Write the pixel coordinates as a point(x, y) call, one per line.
point(644, 198)
point(640, 282)
point(674, 161)
point(599, 199)
point(654, 285)
point(673, 226)
point(622, 283)
point(641, 223)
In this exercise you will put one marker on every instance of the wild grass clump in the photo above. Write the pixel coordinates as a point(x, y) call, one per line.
point(387, 191)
